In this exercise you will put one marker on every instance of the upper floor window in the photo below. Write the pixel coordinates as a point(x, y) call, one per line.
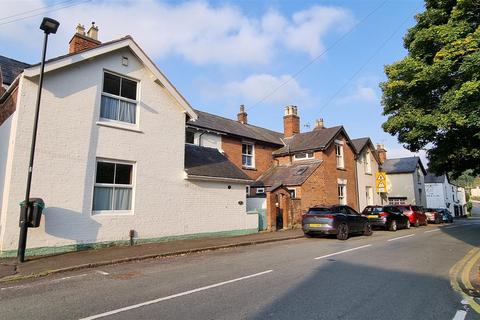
point(119, 99)
point(303, 156)
point(339, 154)
point(248, 155)
point(190, 136)
point(368, 162)
point(113, 187)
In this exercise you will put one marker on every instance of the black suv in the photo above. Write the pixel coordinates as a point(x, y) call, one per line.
point(339, 220)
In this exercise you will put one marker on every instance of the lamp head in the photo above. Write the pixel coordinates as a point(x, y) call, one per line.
point(49, 25)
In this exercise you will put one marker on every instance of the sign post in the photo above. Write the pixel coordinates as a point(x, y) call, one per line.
point(381, 182)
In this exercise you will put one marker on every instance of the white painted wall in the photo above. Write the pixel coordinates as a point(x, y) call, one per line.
point(436, 197)
point(70, 140)
point(367, 179)
point(407, 185)
point(207, 139)
point(5, 130)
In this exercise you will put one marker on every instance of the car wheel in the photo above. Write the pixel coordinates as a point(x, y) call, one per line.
point(342, 232)
point(416, 224)
point(367, 229)
point(393, 226)
point(407, 226)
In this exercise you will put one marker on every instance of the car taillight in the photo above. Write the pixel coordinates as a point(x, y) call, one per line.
point(329, 216)
point(383, 214)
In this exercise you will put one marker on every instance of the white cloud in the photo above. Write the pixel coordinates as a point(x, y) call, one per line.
point(255, 87)
point(197, 31)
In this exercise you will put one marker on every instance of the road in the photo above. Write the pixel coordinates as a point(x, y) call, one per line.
point(390, 275)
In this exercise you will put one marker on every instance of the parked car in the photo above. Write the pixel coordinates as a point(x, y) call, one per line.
point(414, 213)
point(387, 217)
point(446, 215)
point(433, 215)
point(338, 220)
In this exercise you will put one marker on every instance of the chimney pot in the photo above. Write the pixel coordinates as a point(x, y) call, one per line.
point(80, 29)
point(242, 115)
point(93, 32)
point(81, 41)
point(291, 121)
point(319, 124)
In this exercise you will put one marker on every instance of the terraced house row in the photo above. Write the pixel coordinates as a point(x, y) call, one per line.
point(121, 156)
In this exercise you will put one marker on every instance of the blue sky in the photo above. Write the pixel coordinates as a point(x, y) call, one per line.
point(221, 54)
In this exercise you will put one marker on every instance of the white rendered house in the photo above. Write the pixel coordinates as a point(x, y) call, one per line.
point(110, 157)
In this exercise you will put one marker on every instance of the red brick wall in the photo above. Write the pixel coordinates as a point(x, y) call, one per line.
point(8, 107)
point(291, 125)
point(80, 42)
point(263, 155)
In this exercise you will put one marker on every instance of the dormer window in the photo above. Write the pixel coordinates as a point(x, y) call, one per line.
point(119, 99)
point(303, 156)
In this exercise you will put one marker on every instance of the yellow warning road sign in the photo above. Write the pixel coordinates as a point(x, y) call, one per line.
point(381, 182)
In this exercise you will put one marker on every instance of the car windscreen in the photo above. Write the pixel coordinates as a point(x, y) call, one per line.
point(373, 210)
point(404, 209)
point(318, 210)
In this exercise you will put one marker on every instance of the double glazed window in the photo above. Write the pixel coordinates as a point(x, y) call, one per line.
point(248, 159)
point(303, 156)
point(113, 187)
point(342, 194)
point(119, 99)
point(339, 154)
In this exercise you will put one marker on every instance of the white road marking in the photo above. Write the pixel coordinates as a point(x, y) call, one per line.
point(402, 237)
point(460, 315)
point(450, 227)
point(340, 252)
point(23, 286)
point(432, 230)
point(102, 272)
point(139, 305)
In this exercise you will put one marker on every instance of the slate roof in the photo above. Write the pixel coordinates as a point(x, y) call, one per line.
point(11, 69)
point(288, 175)
point(209, 162)
point(313, 140)
point(402, 165)
point(360, 143)
point(220, 124)
point(433, 178)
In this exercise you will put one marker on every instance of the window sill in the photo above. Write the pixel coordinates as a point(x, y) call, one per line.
point(249, 168)
point(342, 169)
point(118, 126)
point(117, 213)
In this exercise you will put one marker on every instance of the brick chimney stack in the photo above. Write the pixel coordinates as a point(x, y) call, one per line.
point(242, 115)
point(291, 122)
point(81, 41)
point(382, 153)
point(319, 124)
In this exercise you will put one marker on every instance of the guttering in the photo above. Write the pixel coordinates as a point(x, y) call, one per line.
point(8, 92)
point(218, 179)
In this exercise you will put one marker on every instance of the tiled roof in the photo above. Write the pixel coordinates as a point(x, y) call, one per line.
point(209, 162)
point(360, 143)
point(313, 140)
point(433, 178)
point(288, 175)
point(11, 69)
point(216, 123)
point(402, 165)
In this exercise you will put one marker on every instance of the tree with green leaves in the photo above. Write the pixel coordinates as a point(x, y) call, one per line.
point(432, 96)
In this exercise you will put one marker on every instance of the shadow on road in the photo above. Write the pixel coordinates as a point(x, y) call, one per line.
point(340, 290)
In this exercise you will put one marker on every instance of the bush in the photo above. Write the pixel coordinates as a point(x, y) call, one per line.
point(469, 207)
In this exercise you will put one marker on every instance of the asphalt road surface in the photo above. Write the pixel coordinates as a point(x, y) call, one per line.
point(390, 275)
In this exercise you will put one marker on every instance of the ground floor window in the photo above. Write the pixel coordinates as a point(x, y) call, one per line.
point(397, 200)
point(113, 188)
point(342, 194)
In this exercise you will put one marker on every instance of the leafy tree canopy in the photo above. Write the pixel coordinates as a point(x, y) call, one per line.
point(432, 96)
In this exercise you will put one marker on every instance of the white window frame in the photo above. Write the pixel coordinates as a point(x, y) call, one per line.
point(136, 102)
point(247, 190)
point(368, 162)
point(342, 194)
point(303, 156)
point(294, 193)
point(249, 155)
point(339, 155)
point(260, 191)
point(132, 186)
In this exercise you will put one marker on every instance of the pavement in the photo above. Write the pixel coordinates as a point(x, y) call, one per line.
point(11, 270)
point(399, 275)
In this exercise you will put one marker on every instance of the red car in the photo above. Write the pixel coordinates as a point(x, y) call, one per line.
point(415, 214)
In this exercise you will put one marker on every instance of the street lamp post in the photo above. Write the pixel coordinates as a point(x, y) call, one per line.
point(48, 26)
